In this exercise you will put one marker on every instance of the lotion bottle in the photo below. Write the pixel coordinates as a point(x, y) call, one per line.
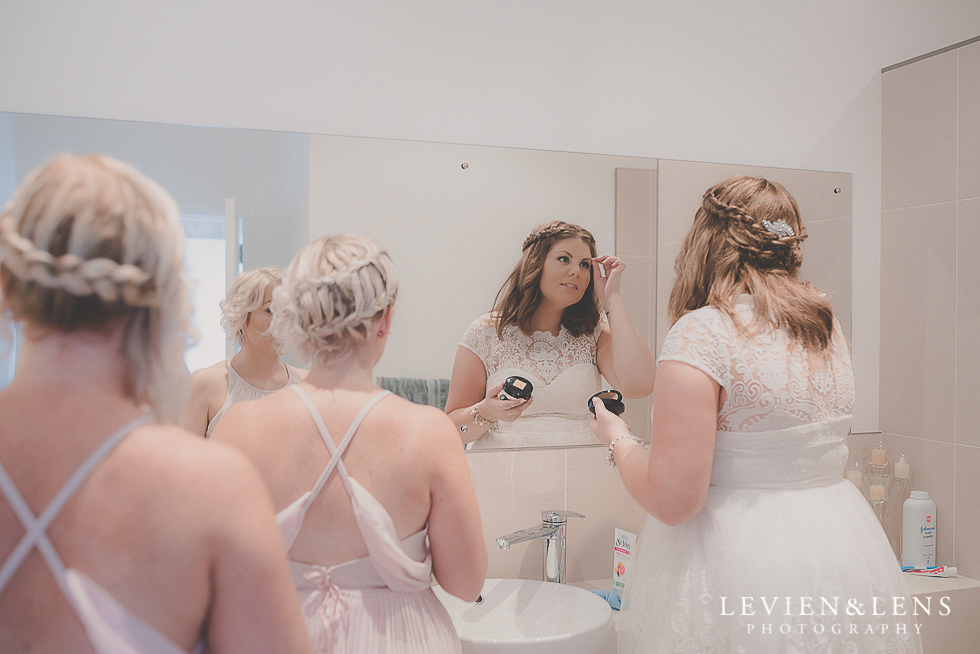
point(919, 531)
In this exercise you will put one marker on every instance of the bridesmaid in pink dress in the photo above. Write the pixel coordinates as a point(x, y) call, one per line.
point(119, 533)
point(373, 492)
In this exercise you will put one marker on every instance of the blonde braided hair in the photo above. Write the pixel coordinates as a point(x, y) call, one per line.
point(89, 242)
point(331, 293)
point(111, 281)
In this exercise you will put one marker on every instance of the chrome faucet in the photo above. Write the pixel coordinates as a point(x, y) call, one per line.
point(552, 530)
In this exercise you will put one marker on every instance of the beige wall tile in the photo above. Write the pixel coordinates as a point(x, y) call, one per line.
point(682, 184)
point(918, 319)
point(636, 200)
point(638, 297)
point(654, 218)
point(955, 633)
point(637, 416)
point(834, 267)
point(934, 470)
point(968, 324)
point(595, 489)
point(666, 253)
point(967, 518)
point(635, 289)
point(969, 122)
point(833, 204)
point(803, 185)
point(918, 133)
point(512, 488)
point(810, 270)
point(858, 445)
point(719, 172)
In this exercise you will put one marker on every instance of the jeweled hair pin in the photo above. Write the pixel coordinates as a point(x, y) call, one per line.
point(780, 228)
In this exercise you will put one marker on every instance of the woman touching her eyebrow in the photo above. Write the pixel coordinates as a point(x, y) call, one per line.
point(560, 323)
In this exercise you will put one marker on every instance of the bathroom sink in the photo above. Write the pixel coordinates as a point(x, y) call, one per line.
point(520, 616)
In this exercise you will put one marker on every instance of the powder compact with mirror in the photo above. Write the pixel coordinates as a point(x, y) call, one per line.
point(611, 399)
point(516, 388)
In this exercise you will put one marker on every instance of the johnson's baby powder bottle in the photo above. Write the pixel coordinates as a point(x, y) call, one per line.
point(919, 531)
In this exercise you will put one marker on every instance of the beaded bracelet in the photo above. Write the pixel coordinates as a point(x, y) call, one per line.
point(480, 420)
point(610, 458)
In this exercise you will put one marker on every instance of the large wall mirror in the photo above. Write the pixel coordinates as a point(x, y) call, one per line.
point(452, 216)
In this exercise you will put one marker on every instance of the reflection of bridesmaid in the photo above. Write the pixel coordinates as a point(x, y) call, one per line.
point(547, 326)
point(256, 370)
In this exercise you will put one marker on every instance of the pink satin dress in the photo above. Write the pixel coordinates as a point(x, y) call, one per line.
point(382, 602)
point(110, 627)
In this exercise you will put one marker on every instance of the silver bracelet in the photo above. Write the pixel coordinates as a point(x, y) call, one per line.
point(480, 420)
point(610, 457)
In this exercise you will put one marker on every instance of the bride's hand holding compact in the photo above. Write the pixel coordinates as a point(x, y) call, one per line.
point(607, 426)
point(494, 409)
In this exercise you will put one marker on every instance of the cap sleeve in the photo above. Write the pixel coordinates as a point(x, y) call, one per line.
point(602, 324)
point(479, 337)
point(704, 339)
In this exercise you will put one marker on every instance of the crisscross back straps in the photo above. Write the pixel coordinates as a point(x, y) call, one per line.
point(36, 527)
point(336, 452)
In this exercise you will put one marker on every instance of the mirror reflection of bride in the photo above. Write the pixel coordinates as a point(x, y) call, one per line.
point(558, 321)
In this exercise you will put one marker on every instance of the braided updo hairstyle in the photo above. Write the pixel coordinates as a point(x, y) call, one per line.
point(520, 295)
point(737, 245)
point(331, 294)
point(88, 243)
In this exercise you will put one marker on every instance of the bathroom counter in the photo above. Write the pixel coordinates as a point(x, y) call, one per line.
point(920, 585)
point(956, 632)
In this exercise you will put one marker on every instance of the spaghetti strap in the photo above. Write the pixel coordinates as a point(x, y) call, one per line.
point(35, 527)
point(336, 452)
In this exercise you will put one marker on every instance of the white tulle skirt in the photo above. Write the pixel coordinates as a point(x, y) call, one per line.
point(769, 570)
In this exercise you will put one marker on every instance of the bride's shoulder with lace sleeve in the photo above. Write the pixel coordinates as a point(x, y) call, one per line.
point(703, 338)
point(479, 336)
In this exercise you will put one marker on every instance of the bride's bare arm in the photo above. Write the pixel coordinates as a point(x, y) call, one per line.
point(671, 480)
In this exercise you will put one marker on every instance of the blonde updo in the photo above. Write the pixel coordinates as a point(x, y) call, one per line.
point(246, 295)
point(332, 291)
point(89, 243)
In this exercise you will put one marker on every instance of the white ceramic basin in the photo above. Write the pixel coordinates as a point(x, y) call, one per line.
point(519, 616)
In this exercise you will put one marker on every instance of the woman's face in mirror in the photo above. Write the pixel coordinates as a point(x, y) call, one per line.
point(567, 272)
point(256, 331)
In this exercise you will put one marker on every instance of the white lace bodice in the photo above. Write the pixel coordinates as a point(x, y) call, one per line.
point(563, 370)
point(770, 381)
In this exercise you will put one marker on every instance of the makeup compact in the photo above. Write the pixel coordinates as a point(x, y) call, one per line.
point(612, 399)
point(516, 388)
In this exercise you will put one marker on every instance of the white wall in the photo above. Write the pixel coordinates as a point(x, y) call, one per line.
point(762, 82)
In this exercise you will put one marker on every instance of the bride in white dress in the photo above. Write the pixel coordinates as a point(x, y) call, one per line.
point(548, 327)
point(754, 543)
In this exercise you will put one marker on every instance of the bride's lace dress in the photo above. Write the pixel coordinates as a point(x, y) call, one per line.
point(786, 555)
point(563, 371)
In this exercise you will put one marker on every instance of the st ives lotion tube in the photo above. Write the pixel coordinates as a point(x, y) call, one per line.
point(622, 559)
